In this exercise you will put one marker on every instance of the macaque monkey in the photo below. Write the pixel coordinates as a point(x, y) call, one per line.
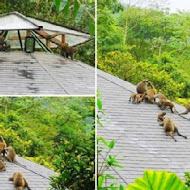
point(142, 86)
point(67, 51)
point(2, 146)
point(132, 97)
point(19, 181)
point(164, 103)
point(11, 155)
point(135, 98)
point(187, 110)
point(2, 164)
point(149, 95)
point(170, 128)
point(160, 96)
point(161, 116)
point(139, 98)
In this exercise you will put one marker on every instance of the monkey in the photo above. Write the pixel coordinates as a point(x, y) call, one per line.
point(19, 181)
point(136, 98)
point(170, 128)
point(2, 146)
point(139, 98)
point(2, 165)
point(149, 95)
point(11, 155)
point(186, 111)
point(160, 96)
point(132, 97)
point(164, 103)
point(161, 116)
point(67, 51)
point(142, 86)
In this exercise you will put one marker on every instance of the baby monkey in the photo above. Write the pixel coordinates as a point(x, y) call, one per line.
point(161, 116)
point(2, 164)
point(170, 128)
point(132, 97)
point(149, 95)
point(19, 181)
point(11, 155)
point(187, 110)
point(136, 98)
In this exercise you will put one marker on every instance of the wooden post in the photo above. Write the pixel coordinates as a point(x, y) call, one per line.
point(48, 43)
point(28, 33)
point(20, 40)
point(63, 38)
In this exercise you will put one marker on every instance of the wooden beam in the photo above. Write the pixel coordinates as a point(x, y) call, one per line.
point(46, 35)
point(48, 43)
point(63, 38)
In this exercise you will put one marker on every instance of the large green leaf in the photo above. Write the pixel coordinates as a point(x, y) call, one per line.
point(80, 12)
point(57, 3)
point(158, 180)
point(76, 8)
point(91, 27)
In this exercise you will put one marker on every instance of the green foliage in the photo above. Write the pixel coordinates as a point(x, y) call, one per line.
point(187, 179)
point(78, 8)
point(75, 152)
point(75, 163)
point(86, 54)
point(157, 180)
point(137, 43)
point(124, 65)
point(55, 132)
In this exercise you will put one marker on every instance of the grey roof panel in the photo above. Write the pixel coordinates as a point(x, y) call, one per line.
point(141, 142)
point(44, 73)
point(16, 21)
point(36, 175)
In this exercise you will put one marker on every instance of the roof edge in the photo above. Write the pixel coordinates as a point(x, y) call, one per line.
point(21, 16)
point(70, 28)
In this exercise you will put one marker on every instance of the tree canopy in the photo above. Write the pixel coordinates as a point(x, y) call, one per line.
point(55, 132)
point(137, 43)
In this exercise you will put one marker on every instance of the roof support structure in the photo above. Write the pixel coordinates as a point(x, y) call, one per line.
point(19, 36)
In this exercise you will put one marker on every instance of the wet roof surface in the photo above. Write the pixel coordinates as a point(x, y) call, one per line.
point(42, 73)
point(140, 142)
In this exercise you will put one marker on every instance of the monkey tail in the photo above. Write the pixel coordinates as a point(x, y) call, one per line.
point(26, 184)
point(175, 111)
point(152, 86)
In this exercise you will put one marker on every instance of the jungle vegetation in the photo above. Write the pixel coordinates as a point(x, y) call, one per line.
point(56, 132)
point(137, 43)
